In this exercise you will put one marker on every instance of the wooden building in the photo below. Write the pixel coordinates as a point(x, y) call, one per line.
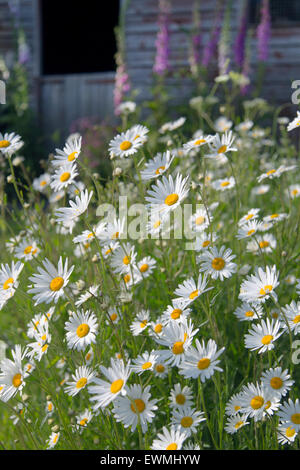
point(71, 66)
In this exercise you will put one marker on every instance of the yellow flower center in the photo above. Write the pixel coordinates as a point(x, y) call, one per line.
point(146, 365)
point(171, 199)
point(267, 339)
point(250, 232)
point(116, 386)
point(7, 283)
point(257, 402)
point(249, 216)
point(199, 220)
point(4, 144)
point(224, 184)
point(249, 314)
point(187, 421)
point(238, 424)
point(295, 192)
point(160, 368)
point(290, 432)
point(28, 250)
point(143, 324)
point(144, 268)
point(276, 382)
point(172, 446)
point(264, 244)
point(206, 243)
point(178, 347)
point(108, 251)
point(222, 149)
point(274, 216)
point(158, 328)
point(17, 380)
point(125, 145)
point(180, 399)
point(72, 156)
point(159, 170)
point(270, 172)
point(56, 283)
point(296, 319)
point(237, 408)
point(55, 439)
point(81, 382)
point(45, 347)
point(126, 260)
point(126, 278)
point(296, 418)
point(139, 405)
point(176, 313)
point(115, 235)
point(265, 290)
point(83, 422)
point(194, 294)
point(204, 363)
point(200, 141)
point(50, 407)
point(113, 317)
point(65, 176)
point(43, 183)
point(218, 264)
point(82, 330)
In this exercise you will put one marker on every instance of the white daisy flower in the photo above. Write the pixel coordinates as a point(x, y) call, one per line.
point(181, 396)
point(253, 401)
point(81, 330)
point(69, 154)
point(27, 250)
point(197, 142)
point(12, 374)
point(274, 218)
point(248, 312)
point(234, 423)
point(136, 407)
point(157, 166)
point(294, 123)
point(161, 369)
point(140, 132)
point(114, 230)
point(187, 418)
point(262, 336)
point(42, 182)
point(9, 280)
point(146, 266)
point(293, 190)
point(67, 214)
point(91, 292)
point(223, 184)
point(234, 404)
point(10, 143)
point(177, 337)
point(140, 323)
point(125, 144)
point(64, 176)
point(53, 439)
point(244, 126)
point(172, 126)
point(114, 316)
point(259, 190)
point(259, 287)
point(50, 282)
point(200, 220)
point(201, 361)
point(169, 440)
point(248, 229)
point(167, 194)
point(265, 243)
point(277, 381)
point(289, 414)
point(217, 263)
point(204, 240)
point(189, 290)
point(123, 258)
point(145, 362)
point(105, 391)
point(251, 214)
point(83, 419)
point(219, 146)
point(176, 312)
point(286, 434)
point(292, 314)
point(80, 379)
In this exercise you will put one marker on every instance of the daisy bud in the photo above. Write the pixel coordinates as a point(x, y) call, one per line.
point(169, 143)
point(283, 253)
point(17, 161)
point(25, 397)
point(55, 428)
point(26, 205)
point(112, 155)
point(50, 421)
point(52, 221)
point(96, 176)
point(194, 185)
point(10, 178)
point(48, 397)
point(222, 109)
point(94, 259)
point(80, 284)
point(117, 171)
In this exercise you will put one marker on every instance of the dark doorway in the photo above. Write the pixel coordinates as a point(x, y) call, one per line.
point(78, 36)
